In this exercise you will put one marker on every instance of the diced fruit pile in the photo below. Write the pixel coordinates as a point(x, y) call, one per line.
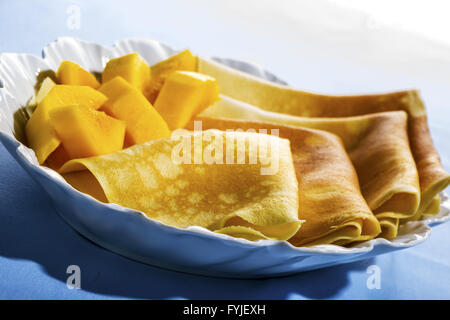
point(78, 116)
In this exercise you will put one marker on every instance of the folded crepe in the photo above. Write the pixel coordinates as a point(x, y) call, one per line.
point(283, 99)
point(434, 208)
point(389, 228)
point(330, 201)
point(187, 180)
point(377, 145)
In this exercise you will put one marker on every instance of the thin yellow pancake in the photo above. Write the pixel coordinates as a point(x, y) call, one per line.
point(330, 200)
point(389, 227)
point(283, 99)
point(188, 180)
point(434, 208)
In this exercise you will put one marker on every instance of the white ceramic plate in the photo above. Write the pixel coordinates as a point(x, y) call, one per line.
point(129, 232)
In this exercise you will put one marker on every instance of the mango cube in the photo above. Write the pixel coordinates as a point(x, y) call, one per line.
point(131, 67)
point(40, 135)
point(182, 61)
point(115, 88)
point(183, 95)
point(143, 122)
point(71, 73)
point(86, 132)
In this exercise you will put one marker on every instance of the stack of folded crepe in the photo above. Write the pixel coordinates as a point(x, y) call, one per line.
point(330, 201)
point(383, 164)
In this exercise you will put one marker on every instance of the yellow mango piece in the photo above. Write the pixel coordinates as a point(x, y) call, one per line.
point(71, 73)
point(46, 85)
point(40, 135)
point(131, 67)
point(86, 132)
point(115, 88)
point(183, 95)
point(143, 122)
point(182, 61)
point(45, 88)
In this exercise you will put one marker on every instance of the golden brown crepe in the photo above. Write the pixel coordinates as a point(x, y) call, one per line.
point(186, 181)
point(283, 99)
point(376, 143)
point(330, 200)
point(434, 208)
point(389, 227)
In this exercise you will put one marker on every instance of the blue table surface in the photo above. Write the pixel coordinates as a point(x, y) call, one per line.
point(316, 46)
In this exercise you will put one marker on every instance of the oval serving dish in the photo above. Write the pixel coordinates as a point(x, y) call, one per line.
point(129, 232)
